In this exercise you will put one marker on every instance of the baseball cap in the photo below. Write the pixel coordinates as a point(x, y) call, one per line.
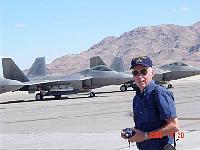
point(141, 60)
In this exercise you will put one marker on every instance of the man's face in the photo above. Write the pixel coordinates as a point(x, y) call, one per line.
point(142, 75)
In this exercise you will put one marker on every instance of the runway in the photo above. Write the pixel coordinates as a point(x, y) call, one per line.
point(79, 122)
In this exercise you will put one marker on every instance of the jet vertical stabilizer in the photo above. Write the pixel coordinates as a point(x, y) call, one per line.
point(38, 68)
point(117, 64)
point(12, 71)
point(96, 61)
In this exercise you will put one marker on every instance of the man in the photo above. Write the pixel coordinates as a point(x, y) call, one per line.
point(154, 109)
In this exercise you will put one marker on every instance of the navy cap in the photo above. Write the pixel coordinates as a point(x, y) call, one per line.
point(141, 60)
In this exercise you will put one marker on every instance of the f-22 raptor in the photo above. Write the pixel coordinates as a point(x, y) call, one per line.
point(178, 70)
point(163, 74)
point(58, 85)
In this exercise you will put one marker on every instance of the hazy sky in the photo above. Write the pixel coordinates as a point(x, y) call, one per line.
point(53, 28)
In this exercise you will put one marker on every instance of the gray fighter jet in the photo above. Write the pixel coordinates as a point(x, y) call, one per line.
point(66, 84)
point(173, 71)
point(162, 76)
point(178, 70)
point(117, 65)
point(7, 85)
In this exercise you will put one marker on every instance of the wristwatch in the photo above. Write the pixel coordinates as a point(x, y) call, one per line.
point(146, 136)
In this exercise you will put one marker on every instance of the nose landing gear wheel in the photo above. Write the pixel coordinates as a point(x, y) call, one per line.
point(123, 88)
point(92, 94)
point(38, 97)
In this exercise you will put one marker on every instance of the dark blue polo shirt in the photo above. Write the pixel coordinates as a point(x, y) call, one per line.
point(151, 108)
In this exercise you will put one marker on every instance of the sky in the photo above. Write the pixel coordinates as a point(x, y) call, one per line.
point(54, 28)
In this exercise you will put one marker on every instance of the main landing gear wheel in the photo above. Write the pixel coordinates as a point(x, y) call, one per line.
point(123, 88)
point(58, 97)
point(92, 94)
point(39, 97)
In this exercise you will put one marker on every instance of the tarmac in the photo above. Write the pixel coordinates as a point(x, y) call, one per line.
point(77, 122)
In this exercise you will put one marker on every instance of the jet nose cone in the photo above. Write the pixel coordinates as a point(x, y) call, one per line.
point(15, 85)
point(129, 76)
point(15, 82)
point(10, 85)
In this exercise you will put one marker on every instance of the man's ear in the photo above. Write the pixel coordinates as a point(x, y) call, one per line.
point(152, 72)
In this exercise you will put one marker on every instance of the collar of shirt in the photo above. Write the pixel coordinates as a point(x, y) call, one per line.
point(151, 86)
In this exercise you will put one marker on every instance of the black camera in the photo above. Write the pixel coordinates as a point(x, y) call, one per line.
point(128, 132)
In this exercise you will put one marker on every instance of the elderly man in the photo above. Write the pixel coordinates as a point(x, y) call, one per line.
point(154, 110)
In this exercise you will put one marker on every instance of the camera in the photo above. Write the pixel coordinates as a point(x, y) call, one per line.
point(128, 132)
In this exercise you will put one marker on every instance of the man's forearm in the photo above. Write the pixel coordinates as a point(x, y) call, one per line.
point(169, 128)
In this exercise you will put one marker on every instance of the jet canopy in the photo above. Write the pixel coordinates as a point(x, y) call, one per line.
point(101, 68)
point(178, 64)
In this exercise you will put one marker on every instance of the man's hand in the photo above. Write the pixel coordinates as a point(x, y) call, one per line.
point(138, 137)
point(123, 135)
point(127, 133)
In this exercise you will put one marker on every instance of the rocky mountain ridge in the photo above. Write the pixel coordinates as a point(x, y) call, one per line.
point(164, 44)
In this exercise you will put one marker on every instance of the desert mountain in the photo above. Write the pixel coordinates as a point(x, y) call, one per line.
point(163, 43)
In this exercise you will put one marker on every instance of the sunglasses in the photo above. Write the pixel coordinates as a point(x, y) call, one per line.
point(142, 72)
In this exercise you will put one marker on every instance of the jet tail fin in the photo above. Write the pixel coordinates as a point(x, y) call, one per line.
point(38, 68)
point(117, 64)
point(12, 71)
point(96, 61)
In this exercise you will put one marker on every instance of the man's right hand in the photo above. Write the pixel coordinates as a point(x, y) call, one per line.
point(127, 133)
point(123, 135)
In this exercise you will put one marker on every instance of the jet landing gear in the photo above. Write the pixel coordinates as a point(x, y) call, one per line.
point(169, 86)
point(92, 94)
point(128, 84)
point(57, 96)
point(123, 88)
point(39, 97)
point(165, 84)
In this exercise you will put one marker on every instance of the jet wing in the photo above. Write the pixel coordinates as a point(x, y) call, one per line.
point(57, 81)
point(63, 84)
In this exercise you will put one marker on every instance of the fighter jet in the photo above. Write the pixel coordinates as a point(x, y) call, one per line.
point(117, 65)
point(178, 70)
point(7, 85)
point(173, 71)
point(65, 84)
point(162, 75)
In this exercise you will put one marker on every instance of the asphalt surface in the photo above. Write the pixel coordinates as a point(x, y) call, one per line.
point(79, 122)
